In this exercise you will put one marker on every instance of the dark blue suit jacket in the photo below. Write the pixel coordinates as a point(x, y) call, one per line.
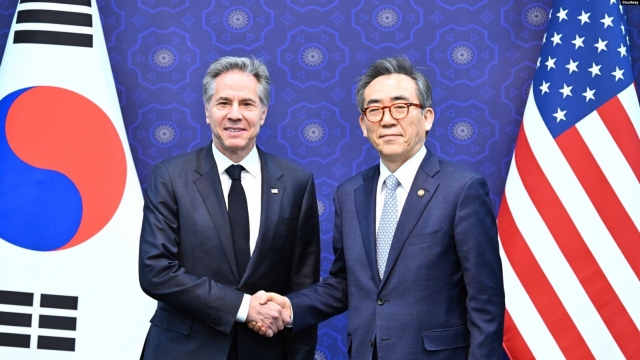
point(441, 296)
point(187, 261)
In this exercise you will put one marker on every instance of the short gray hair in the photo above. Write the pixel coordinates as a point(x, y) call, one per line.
point(394, 65)
point(250, 66)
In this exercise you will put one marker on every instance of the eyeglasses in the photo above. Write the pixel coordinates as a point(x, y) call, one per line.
point(397, 111)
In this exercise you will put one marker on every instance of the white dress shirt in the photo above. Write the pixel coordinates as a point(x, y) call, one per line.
point(405, 175)
point(251, 178)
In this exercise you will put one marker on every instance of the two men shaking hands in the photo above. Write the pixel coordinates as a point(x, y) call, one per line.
point(416, 256)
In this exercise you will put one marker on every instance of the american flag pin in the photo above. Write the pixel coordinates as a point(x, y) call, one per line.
point(274, 191)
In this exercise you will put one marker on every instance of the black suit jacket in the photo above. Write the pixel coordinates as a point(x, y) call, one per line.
point(187, 261)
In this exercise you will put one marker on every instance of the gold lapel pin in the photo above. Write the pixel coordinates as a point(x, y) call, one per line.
point(274, 191)
point(420, 192)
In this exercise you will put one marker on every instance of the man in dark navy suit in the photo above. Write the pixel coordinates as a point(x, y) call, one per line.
point(415, 240)
point(222, 223)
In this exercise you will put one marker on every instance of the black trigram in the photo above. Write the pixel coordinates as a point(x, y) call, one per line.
point(21, 319)
point(56, 17)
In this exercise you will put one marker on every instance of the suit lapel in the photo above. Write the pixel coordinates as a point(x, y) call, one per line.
point(211, 191)
point(413, 209)
point(269, 210)
point(365, 201)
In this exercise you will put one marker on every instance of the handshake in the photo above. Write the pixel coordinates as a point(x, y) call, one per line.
point(268, 313)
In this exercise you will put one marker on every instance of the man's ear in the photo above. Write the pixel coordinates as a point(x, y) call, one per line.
point(428, 115)
point(363, 126)
point(264, 114)
point(207, 114)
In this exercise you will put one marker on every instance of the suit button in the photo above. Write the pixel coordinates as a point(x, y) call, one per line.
point(371, 343)
point(380, 301)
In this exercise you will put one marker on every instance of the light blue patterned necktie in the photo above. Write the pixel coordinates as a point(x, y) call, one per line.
point(388, 222)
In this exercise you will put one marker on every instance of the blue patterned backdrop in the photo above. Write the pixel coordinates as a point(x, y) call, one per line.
point(479, 55)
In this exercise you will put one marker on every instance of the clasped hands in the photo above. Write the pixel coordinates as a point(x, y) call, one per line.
point(268, 313)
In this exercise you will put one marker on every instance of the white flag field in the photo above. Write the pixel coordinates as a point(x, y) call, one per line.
point(70, 200)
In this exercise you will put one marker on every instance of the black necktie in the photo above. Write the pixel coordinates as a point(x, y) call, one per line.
point(238, 218)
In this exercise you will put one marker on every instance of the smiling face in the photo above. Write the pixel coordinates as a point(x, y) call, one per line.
point(395, 140)
point(235, 114)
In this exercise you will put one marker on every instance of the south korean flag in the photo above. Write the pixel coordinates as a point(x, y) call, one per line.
point(70, 200)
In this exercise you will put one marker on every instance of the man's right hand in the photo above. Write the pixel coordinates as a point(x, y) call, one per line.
point(270, 298)
point(271, 317)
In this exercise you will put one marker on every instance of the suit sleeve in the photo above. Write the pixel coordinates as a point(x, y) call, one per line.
point(305, 270)
point(161, 275)
point(477, 243)
point(328, 298)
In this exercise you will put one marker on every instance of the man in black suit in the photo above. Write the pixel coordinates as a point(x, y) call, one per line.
point(224, 222)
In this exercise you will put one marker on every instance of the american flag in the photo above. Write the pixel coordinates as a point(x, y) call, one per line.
point(570, 216)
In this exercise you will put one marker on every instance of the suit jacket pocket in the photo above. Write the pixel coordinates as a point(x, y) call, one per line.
point(172, 321)
point(441, 339)
point(438, 235)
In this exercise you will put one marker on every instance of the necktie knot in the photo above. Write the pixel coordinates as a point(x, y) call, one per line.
point(234, 171)
point(392, 182)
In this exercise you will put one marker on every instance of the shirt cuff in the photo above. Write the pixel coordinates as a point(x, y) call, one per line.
point(243, 312)
point(290, 324)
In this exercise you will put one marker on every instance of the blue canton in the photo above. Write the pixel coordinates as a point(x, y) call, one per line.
point(584, 62)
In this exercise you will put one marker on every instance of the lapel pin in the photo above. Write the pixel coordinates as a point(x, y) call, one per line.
point(274, 191)
point(420, 192)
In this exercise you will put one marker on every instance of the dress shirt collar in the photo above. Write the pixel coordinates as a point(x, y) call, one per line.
point(406, 172)
point(251, 162)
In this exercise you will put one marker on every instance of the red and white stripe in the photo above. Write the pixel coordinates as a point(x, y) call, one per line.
point(569, 228)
